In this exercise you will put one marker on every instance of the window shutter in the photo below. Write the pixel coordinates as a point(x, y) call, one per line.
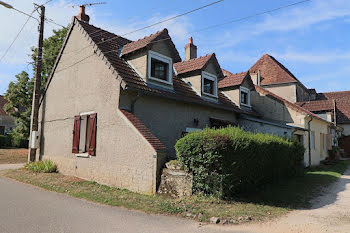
point(76, 135)
point(92, 134)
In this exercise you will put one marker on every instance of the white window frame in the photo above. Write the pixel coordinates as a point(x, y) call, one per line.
point(247, 91)
point(161, 58)
point(206, 75)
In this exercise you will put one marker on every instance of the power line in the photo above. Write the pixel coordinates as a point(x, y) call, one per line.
point(16, 37)
point(199, 30)
point(251, 16)
point(154, 24)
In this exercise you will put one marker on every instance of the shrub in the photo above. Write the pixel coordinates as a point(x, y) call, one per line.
point(227, 161)
point(45, 166)
point(19, 142)
point(5, 141)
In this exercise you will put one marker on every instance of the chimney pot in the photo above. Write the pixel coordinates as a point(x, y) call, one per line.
point(82, 16)
point(190, 50)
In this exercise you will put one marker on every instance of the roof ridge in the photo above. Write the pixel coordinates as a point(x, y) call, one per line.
point(193, 59)
point(334, 92)
point(153, 34)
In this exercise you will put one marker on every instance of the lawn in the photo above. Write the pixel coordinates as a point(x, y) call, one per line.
point(8, 156)
point(269, 202)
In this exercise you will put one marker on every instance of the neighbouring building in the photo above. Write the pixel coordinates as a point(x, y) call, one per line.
point(334, 107)
point(7, 123)
point(278, 116)
point(113, 108)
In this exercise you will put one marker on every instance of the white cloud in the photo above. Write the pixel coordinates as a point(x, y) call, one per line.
point(303, 16)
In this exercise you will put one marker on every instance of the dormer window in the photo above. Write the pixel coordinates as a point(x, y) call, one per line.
point(209, 84)
point(159, 68)
point(245, 96)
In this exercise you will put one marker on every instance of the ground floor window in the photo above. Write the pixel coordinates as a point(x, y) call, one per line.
point(299, 138)
point(2, 130)
point(84, 134)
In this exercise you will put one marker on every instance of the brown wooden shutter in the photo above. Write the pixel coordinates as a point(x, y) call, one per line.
point(92, 134)
point(76, 135)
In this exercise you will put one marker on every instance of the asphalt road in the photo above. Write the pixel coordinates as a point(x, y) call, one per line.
point(25, 208)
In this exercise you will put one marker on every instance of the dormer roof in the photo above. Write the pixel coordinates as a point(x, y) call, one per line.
point(199, 63)
point(232, 80)
point(147, 41)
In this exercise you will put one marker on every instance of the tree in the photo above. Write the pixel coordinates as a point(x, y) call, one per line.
point(20, 92)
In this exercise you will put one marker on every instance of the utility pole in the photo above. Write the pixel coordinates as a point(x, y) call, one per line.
point(34, 126)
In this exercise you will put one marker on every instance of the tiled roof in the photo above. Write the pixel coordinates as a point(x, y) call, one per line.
point(287, 103)
point(148, 40)
point(144, 131)
point(193, 64)
point(317, 105)
point(232, 79)
point(272, 71)
point(3, 101)
point(182, 91)
point(342, 99)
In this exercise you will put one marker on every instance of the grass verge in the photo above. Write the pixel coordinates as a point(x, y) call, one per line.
point(271, 202)
point(11, 156)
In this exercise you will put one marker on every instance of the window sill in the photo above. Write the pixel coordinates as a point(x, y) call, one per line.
point(160, 80)
point(209, 95)
point(246, 105)
point(83, 155)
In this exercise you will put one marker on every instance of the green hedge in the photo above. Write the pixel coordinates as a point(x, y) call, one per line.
point(227, 161)
point(5, 141)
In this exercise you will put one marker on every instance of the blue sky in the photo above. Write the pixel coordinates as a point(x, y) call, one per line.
point(311, 39)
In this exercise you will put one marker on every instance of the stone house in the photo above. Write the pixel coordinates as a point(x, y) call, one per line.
point(7, 123)
point(334, 107)
point(113, 108)
point(276, 115)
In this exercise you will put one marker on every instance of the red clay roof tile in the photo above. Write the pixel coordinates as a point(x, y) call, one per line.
point(3, 101)
point(192, 64)
point(232, 79)
point(272, 71)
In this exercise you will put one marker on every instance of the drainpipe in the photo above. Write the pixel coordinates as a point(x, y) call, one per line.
point(259, 78)
point(133, 101)
point(309, 135)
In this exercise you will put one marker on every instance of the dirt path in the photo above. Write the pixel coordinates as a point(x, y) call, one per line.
point(330, 213)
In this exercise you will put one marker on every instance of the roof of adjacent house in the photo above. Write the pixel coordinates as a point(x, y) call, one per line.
point(144, 131)
point(317, 105)
point(3, 101)
point(131, 80)
point(194, 64)
point(149, 40)
point(325, 102)
point(272, 71)
point(295, 107)
point(231, 79)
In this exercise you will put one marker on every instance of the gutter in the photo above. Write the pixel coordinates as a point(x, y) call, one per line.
point(134, 100)
point(309, 136)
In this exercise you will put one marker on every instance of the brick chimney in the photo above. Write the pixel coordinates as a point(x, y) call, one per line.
point(190, 50)
point(82, 16)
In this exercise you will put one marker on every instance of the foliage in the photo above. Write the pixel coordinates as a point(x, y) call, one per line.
point(19, 97)
point(51, 48)
point(227, 161)
point(5, 141)
point(44, 166)
point(19, 93)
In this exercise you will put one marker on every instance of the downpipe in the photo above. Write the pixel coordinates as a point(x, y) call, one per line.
point(309, 135)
